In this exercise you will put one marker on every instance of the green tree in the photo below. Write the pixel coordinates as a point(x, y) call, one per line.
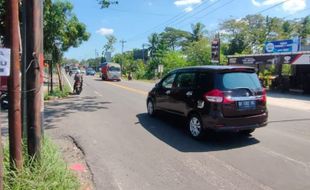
point(198, 32)
point(62, 28)
point(305, 28)
point(153, 43)
point(174, 38)
point(199, 52)
point(109, 46)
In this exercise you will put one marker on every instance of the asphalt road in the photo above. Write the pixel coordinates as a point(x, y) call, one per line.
point(126, 149)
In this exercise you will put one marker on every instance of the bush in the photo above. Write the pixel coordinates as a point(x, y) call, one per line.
point(57, 93)
point(50, 172)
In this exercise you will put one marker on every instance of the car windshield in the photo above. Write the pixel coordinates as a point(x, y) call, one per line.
point(228, 81)
point(114, 68)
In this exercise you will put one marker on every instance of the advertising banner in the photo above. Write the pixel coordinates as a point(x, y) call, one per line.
point(296, 59)
point(281, 46)
point(5, 61)
point(215, 51)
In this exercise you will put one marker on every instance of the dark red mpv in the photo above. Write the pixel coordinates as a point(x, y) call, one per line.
point(221, 98)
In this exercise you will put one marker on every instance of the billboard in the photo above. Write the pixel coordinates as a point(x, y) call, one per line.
point(215, 51)
point(5, 61)
point(281, 46)
point(296, 59)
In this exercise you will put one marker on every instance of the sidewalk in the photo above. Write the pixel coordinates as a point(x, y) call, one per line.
point(298, 102)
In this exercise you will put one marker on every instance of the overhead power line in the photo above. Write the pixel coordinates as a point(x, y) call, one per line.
point(166, 22)
point(214, 10)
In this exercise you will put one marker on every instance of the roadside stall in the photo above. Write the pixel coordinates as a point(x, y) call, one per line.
point(279, 71)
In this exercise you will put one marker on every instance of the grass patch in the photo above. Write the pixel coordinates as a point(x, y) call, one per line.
point(57, 93)
point(50, 172)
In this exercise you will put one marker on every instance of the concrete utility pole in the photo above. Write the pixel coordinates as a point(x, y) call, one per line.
point(123, 44)
point(15, 128)
point(34, 44)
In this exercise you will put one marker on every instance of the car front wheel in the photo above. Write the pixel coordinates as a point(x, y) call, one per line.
point(151, 108)
point(195, 126)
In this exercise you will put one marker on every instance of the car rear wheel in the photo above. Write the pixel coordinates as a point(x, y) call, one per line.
point(195, 126)
point(151, 108)
point(247, 132)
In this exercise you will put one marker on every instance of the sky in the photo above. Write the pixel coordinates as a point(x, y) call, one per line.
point(134, 20)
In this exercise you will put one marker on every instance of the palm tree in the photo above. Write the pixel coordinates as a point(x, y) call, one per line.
point(198, 31)
point(154, 41)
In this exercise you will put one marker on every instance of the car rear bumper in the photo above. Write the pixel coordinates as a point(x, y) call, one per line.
point(236, 124)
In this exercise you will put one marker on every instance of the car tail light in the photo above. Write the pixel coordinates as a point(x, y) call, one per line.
point(217, 96)
point(264, 97)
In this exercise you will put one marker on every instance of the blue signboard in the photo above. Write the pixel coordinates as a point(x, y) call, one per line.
point(281, 46)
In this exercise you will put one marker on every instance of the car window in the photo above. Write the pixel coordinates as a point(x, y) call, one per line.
point(228, 81)
point(185, 80)
point(168, 82)
point(206, 81)
point(114, 68)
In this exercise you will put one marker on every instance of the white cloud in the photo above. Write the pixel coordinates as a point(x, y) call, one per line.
point(186, 2)
point(105, 31)
point(188, 9)
point(290, 6)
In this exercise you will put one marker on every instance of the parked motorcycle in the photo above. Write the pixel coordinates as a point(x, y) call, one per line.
point(4, 100)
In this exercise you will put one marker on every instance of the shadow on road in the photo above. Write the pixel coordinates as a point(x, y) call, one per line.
point(61, 109)
point(172, 130)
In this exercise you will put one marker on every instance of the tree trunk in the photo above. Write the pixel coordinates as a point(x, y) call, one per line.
point(59, 77)
point(51, 77)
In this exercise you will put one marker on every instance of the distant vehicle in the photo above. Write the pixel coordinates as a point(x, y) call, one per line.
point(73, 70)
point(111, 71)
point(90, 71)
point(83, 71)
point(221, 98)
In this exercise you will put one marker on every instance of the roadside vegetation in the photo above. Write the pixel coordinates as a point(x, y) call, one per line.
point(50, 172)
point(58, 93)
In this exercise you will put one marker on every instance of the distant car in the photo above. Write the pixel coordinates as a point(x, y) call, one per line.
point(74, 70)
point(83, 71)
point(90, 71)
point(221, 98)
point(111, 71)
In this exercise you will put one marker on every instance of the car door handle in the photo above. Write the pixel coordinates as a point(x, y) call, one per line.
point(168, 92)
point(189, 93)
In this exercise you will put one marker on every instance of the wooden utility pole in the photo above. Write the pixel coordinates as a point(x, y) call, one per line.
point(34, 44)
point(1, 163)
point(15, 128)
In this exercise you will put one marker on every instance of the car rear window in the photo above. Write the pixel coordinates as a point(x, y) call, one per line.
point(114, 68)
point(233, 80)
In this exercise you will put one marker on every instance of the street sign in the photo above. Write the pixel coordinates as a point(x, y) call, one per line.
point(215, 51)
point(5, 61)
point(291, 45)
point(160, 68)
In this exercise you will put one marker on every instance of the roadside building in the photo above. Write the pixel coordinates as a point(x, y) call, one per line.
point(287, 71)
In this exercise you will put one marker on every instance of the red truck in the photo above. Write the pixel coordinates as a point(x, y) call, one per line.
point(111, 71)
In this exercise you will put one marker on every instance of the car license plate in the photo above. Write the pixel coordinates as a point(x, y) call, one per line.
point(247, 105)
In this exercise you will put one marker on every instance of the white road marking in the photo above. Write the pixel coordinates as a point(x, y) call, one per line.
point(284, 157)
point(70, 85)
point(98, 93)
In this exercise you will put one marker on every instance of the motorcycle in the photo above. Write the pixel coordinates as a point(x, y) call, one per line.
point(4, 100)
point(78, 87)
